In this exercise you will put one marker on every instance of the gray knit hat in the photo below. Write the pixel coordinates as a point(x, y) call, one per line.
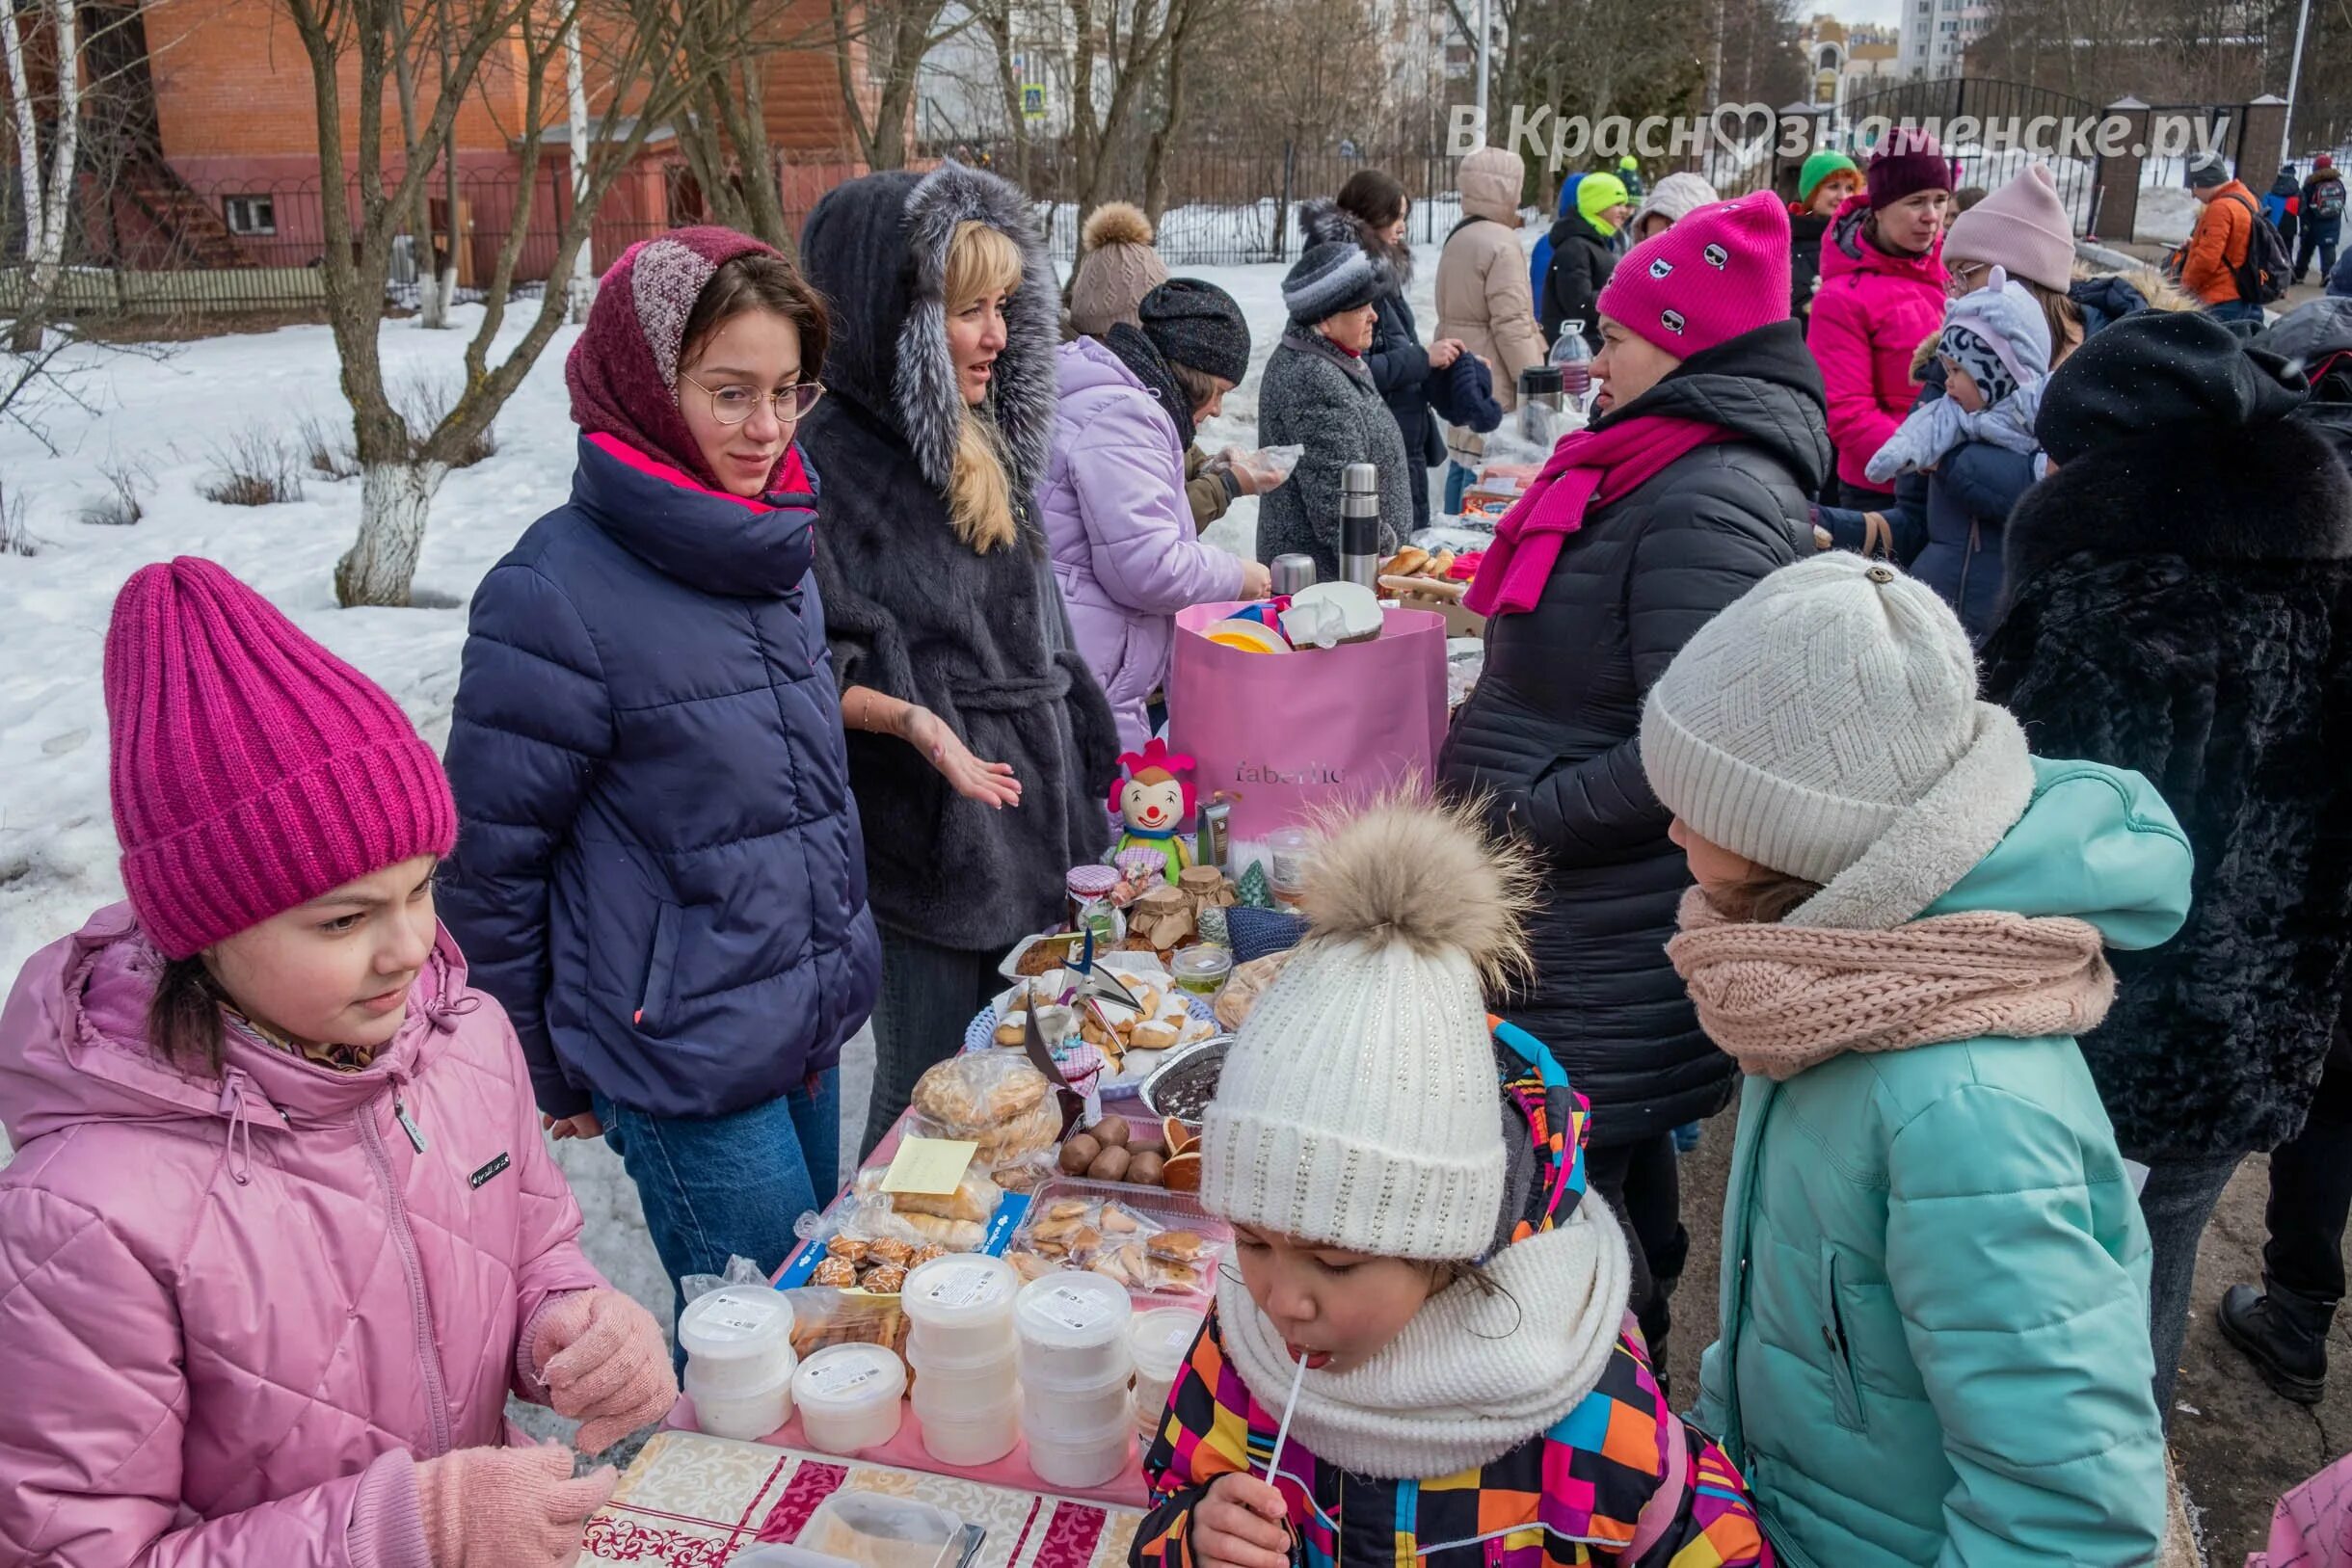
point(1827, 725)
point(1333, 277)
point(1197, 324)
point(2208, 169)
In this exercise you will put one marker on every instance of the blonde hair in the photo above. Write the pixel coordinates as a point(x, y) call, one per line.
point(982, 263)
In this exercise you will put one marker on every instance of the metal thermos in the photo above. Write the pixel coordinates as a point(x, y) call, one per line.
point(1359, 525)
point(1292, 572)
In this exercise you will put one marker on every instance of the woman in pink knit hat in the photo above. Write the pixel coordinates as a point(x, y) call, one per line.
point(280, 1234)
point(1880, 297)
point(1690, 483)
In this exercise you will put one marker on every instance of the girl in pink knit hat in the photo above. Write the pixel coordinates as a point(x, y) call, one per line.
point(281, 1234)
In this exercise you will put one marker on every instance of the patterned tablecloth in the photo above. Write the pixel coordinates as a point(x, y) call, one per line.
point(695, 1502)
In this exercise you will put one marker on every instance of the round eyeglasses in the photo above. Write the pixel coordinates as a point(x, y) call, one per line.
point(733, 405)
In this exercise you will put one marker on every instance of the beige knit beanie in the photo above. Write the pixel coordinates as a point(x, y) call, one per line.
point(1116, 267)
point(1826, 725)
point(1359, 1108)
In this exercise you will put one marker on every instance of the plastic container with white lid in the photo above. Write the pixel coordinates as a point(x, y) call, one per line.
point(978, 1437)
point(1161, 1340)
point(850, 1397)
point(1053, 1409)
point(960, 1352)
point(960, 1304)
point(876, 1527)
point(1078, 1459)
point(742, 1329)
point(970, 1388)
point(730, 1406)
point(1074, 1316)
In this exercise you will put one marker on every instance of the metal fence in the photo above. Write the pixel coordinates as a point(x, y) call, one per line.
point(1965, 112)
point(148, 242)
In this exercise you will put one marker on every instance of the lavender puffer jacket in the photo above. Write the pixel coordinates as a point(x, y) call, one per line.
point(234, 1312)
point(1125, 554)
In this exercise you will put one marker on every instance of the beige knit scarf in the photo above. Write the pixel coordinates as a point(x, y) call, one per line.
point(1781, 998)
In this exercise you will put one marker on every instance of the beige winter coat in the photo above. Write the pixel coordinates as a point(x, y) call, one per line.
point(1483, 294)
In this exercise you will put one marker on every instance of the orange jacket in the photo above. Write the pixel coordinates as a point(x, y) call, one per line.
point(2218, 248)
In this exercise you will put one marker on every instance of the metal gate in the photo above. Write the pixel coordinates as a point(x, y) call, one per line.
point(1991, 129)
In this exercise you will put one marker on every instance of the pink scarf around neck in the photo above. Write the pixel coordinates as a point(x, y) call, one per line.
point(1588, 466)
point(1781, 998)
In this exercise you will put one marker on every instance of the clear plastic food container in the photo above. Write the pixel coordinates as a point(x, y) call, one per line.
point(961, 1389)
point(1073, 1329)
point(873, 1528)
point(960, 1306)
point(1201, 971)
point(1077, 1459)
point(850, 1397)
point(729, 1407)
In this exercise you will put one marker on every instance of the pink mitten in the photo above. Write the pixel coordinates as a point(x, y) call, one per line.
point(507, 1507)
point(605, 1365)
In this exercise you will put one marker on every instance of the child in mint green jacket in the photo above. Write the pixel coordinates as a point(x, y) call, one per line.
point(1935, 1288)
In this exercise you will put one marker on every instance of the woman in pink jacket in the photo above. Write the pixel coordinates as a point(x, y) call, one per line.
point(1125, 553)
point(281, 1233)
point(1882, 295)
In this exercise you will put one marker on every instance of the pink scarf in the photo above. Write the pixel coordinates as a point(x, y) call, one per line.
point(1586, 467)
point(1781, 999)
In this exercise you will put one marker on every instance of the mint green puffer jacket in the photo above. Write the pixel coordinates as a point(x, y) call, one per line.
point(1935, 1289)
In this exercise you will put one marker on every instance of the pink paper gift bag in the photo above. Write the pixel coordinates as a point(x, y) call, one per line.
point(1280, 735)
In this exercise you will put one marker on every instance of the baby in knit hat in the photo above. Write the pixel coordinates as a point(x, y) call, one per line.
point(1996, 351)
point(1425, 1292)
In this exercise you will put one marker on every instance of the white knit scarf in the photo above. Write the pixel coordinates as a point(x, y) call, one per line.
point(1473, 1375)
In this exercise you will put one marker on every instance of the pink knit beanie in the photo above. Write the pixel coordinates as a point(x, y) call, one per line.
point(1719, 272)
point(2021, 227)
point(253, 770)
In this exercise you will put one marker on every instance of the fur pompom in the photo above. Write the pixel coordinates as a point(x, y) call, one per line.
point(1430, 876)
point(1114, 222)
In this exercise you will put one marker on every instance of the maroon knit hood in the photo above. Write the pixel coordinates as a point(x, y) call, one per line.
point(623, 372)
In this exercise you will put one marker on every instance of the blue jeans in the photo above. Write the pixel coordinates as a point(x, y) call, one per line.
point(729, 1185)
point(2234, 311)
point(2177, 1202)
point(1457, 480)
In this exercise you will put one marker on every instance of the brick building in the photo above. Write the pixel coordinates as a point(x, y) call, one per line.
point(213, 146)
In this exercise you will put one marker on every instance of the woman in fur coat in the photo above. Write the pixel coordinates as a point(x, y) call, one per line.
point(2180, 603)
point(980, 746)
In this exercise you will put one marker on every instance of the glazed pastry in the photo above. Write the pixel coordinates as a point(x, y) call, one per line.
point(885, 1280)
point(848, 1249)
point(838, 1272)
point(890, 1250)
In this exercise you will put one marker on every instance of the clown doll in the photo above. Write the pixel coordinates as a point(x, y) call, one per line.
point(1152, 801)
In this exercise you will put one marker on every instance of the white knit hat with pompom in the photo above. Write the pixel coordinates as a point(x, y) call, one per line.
point(1359, 1108)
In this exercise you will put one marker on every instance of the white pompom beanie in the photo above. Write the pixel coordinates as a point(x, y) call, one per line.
point(1826, 725)
point(1359, 1108)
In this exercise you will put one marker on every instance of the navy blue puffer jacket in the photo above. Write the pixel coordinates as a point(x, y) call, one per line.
point(659, 871)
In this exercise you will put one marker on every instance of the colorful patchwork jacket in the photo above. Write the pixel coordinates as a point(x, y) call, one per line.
point(1618, 1480)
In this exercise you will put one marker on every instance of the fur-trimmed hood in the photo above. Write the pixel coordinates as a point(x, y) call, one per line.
point(2272, 492)
point(878, 248)
point(1325, 220)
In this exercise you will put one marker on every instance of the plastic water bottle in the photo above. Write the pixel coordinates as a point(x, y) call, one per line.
point(1574, 362)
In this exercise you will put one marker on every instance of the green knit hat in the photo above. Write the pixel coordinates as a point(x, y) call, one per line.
point(1819, 168)
point(1597, 194)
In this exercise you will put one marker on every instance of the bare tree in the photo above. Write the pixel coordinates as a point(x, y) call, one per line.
point(47, 194)
point(896, 36)
point(401, 467)
point(723, 48)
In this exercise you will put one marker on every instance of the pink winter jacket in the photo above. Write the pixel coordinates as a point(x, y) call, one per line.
point(234, 1312)
point(1869, 318)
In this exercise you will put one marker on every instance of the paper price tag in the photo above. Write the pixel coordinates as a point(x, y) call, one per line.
point(929, 1167)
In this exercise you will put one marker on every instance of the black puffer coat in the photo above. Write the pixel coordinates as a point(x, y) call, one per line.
point(2182, 607)
point(1552, 732)
point(1581, 262)
point(910, 610)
